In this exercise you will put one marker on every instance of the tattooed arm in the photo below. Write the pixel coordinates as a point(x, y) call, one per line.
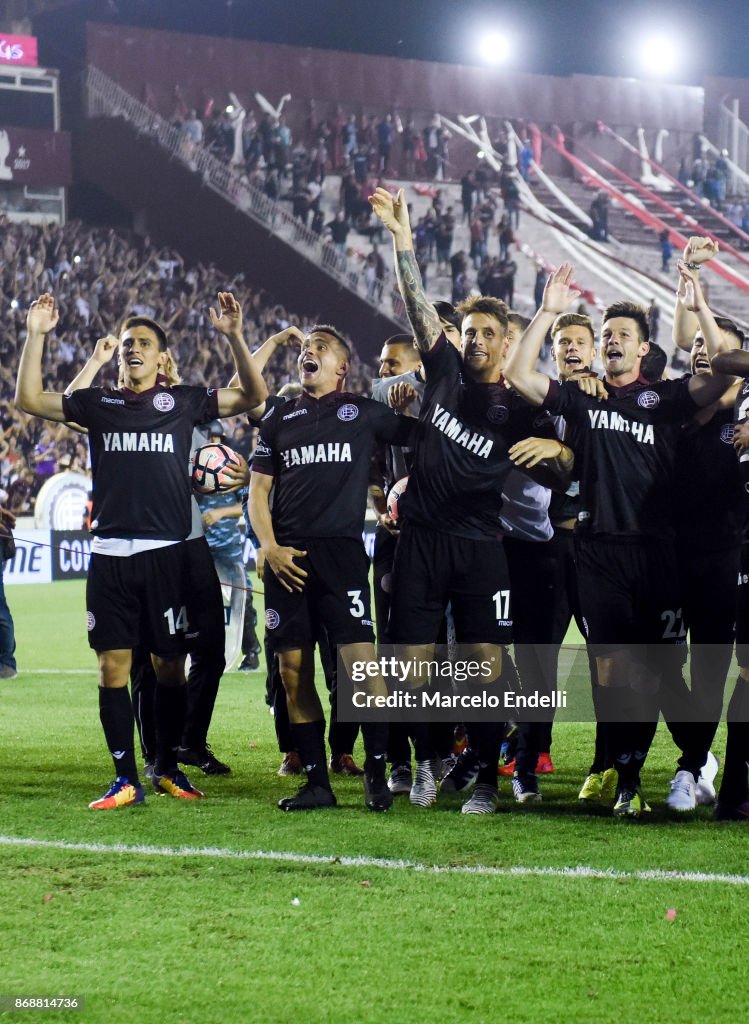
point(424, 319)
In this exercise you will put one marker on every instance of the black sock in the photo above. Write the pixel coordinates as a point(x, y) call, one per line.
point(734, 788)
point(170, 706)
point(486, 740)
point(419, 732)
point(644, 734)
point(375, 736)
point(118, 722)
point(309, 738)
point(600, 763)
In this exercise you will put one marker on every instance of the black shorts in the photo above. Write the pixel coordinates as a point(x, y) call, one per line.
point(432, 569)
point(742, 609)
point(336, 595)
point(141, 599)
point(708, 592)
point(629, 592)
point(382, 572)
point(205, 604)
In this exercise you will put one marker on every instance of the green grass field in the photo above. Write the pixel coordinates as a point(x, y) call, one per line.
point(209, 926)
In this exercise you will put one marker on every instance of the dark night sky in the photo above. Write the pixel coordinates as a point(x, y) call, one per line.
point(553, 36)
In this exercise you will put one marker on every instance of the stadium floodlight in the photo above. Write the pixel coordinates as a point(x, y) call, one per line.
point(660, 55)
point(494, 48)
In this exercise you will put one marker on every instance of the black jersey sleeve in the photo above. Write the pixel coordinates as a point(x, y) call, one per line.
point(389, 427)
point(272, 402)
point(440, 359)
point(678, 398)
point(264, 457)
point(76, 406)
point(565, 400)
point(203, 402)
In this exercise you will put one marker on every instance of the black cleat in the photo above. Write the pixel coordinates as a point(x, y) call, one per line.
point(203, 758)
point(463, 773)
point(250, 662)
point(377, 796)
point(731, 812)
point(308, 798)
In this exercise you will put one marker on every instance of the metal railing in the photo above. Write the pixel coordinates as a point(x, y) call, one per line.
point(105, 98)
point(733, 136)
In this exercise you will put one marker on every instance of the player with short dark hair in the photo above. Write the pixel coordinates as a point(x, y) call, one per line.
point(627, 572)
point(140, 438)
point(315, 452)
point(450, 544)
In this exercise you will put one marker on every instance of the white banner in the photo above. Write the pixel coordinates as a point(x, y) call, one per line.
point(32, 562)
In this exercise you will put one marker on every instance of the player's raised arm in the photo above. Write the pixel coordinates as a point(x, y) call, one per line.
point(252, 390)
point(288, 338)
point(697, 252)
point(424, 318)
point(704, 388)
point(104, 350)
point(520, 371)
point(30, 394)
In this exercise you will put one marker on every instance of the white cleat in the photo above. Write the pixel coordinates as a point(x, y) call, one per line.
point(705, 789)
point(682, 796)
point(485, 800)
point(424, 790)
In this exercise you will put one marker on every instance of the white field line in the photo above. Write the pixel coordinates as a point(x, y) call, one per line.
point(386, 864)
point(57, 671)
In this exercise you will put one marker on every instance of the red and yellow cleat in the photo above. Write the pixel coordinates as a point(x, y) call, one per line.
point(122, 793)
point(177, 784)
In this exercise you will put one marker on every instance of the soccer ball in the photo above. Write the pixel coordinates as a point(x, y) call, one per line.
point(208, 465)
point(394, 497)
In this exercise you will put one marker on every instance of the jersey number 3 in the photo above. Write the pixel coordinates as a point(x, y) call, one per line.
point(357, 605)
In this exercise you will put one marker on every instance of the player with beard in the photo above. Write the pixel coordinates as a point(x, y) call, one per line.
point(627, 570)
point(140, 438)
point(450, 546)
point(316, 451)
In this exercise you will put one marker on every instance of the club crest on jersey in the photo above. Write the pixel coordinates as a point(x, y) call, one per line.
point(348, 412)
point(272, 618)
point(163, 402)
point(726, 434)
point(497, 414)
point(648, 399)
point(90, 621)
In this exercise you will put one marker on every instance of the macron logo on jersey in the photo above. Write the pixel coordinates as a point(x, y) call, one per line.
point(601, 419)
point(454, 429)
point(310, 453)
point(135, 441)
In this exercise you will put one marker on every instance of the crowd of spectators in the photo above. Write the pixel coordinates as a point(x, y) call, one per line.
point(98, 277)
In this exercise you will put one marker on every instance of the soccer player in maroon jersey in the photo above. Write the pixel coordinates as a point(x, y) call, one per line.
point(140, 438)
point(450, 544)
point(627, 571)
point(314, 452)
